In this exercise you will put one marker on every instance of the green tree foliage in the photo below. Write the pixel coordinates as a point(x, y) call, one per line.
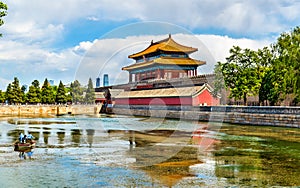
point(219, 84)
point(47, 93)
point(34, 94)
point(69, 94)
point(9, 93)
point(287, 66)
point(2, 96)
point(76, 92)
point(3, 12)
point(271, 73)
point(14, 92)
point(241, 73)
point(90, 93)
point(23, 94)
point(61, 96)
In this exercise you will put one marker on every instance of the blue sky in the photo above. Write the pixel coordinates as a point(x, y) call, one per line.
point(77, 39)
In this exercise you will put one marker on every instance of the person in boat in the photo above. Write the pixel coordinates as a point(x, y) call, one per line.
point(24, 139)
point(29, 136)
point(21, 136)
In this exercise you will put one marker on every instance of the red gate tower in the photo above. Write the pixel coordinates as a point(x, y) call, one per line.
point(164, 74)
point(165, 59)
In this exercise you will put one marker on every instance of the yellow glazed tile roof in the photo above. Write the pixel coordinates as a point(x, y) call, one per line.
point(168, 45)
point(166, 61)
point(163, 92)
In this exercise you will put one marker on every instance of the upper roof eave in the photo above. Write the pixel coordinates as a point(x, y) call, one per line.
point(168, 45)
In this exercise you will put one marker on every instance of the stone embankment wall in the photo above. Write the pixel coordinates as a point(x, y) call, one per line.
point(49, 109)
point(269, 116)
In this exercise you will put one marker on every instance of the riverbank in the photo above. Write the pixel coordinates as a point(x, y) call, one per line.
point(248, 115)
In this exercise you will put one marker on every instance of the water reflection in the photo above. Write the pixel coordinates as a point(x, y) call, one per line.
point(90, 135)
point(61, 136)
point(192, 155)
point(76, 134)
point(46, 137)
point(267, 160)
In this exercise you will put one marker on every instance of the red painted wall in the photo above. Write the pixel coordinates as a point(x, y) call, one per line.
point(205, 98)
point(156, 101)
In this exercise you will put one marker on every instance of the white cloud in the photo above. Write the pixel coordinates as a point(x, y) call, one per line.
point(33, 27)
point(248, 17)
point(30, 62)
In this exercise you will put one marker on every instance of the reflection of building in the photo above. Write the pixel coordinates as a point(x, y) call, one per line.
point(166, 163)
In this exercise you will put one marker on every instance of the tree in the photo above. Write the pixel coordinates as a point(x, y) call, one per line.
point(9, 94)
point(272, 73)
point(219, 85)
point(23, 93)
point(69, 94)
point(47, 93)
point(2, 96)
point(34, 94)
point(14, 92)
point(90, 93)
point(264, 61)
point(287, 65)
point(61, 96)
point(241, 74)
point(3, 12)
point(76, 92)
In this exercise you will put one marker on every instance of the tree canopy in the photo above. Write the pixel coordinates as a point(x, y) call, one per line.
point(47, 93)
point(34, 94)
point(3, 12)
point(61, 96)
point(271, 73)
point(77, 92)
point(90, 93)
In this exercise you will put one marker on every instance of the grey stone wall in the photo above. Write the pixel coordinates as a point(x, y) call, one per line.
point(268, 116)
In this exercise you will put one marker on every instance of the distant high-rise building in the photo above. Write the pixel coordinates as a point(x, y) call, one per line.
point(105, 80)
point(51, 82)
point(98, 82)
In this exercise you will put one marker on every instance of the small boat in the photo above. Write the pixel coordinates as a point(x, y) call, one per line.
point(24, 147)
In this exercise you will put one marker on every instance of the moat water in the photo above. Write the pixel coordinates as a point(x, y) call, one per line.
point(121, 151)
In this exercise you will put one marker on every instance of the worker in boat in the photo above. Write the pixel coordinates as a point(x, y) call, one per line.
point(21, 136)
point(29, 136)
point(24, 139)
